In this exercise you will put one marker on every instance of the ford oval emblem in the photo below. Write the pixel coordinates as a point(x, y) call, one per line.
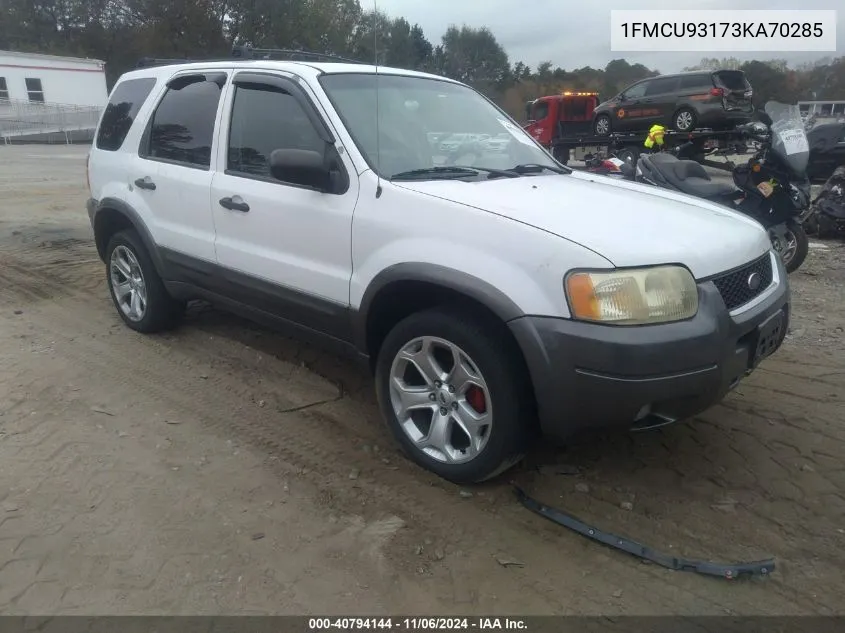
point(753, 281)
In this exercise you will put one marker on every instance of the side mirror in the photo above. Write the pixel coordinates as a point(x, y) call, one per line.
point(301, 167)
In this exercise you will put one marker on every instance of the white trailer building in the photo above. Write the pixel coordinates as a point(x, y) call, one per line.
point(50, 79)
point(45, 98)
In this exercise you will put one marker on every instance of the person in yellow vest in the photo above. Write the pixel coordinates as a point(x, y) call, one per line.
point(655, 137)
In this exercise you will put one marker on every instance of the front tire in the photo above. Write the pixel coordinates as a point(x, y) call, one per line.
point(454, 394)
point(602, 126)
point(136, 289)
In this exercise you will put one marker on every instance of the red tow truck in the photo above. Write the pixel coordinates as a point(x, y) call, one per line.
point(564, 122)
point(564, 116)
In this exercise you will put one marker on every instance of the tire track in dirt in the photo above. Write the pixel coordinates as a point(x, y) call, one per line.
point(315, 452)
point(17, 285)
point(317, 446)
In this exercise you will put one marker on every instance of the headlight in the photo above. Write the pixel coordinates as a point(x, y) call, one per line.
point(640, 296)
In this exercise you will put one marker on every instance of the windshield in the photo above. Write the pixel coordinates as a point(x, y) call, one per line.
point(427, 123)
point(789, 137)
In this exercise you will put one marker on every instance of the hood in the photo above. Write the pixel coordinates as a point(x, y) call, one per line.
point(627, 223)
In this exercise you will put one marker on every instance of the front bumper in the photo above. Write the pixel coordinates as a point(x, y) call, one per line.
point(589, 376)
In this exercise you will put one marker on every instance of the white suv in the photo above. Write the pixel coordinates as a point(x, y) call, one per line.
point(494, 295)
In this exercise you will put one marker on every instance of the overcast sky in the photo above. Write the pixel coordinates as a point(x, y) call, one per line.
point(572, 34)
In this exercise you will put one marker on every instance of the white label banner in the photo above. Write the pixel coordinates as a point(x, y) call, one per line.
point(794, 142)
point(711, 31)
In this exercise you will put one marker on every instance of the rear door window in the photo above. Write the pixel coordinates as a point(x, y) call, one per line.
point(692, 83)
point(662, 86)
point(125, 101)
point(182, 127)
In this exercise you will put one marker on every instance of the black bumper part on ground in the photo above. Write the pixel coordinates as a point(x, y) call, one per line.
point(589, 376)
point(729, 571)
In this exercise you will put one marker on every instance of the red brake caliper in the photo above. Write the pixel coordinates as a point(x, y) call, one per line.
point(476, 399)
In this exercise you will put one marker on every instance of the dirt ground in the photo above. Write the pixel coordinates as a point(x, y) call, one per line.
point(224, 469)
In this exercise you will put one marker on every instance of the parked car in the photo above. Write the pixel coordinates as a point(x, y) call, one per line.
point(498, 143)
point(718, 99)
point(487, 303)
point(463, 142)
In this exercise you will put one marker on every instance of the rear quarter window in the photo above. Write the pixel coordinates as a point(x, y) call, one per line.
point(125, 101)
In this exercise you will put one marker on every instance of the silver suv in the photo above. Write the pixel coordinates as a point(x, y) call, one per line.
point(494, 295)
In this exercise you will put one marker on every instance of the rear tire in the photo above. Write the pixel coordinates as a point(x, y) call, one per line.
point(412, 404)
point(136, 289)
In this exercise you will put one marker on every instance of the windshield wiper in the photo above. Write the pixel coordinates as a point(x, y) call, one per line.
point(536, 168)
point(451, 171)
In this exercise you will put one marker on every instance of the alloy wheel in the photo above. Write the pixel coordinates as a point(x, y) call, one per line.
point(602, 126)
point(785, 246)
point(441, 400)
point(127, 283)
point(684, 120)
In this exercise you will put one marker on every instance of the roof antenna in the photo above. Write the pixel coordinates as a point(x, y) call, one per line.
point(378, 123)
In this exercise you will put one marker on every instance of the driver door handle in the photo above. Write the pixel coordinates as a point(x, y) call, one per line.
point(235, 203)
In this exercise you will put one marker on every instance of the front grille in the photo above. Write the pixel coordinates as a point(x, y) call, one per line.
point(734, 286)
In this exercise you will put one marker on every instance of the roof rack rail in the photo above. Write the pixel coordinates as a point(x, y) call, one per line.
point(249, 53)
point(149, 62)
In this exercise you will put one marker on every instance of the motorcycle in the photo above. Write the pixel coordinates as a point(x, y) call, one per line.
point(827, 218)
point(772, 186)
point(827, 149)
point(606, 166)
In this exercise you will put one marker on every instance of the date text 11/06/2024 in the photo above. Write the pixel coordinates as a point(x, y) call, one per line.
point(412, 624)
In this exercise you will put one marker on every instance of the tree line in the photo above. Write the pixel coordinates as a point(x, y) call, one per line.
point(122, 31)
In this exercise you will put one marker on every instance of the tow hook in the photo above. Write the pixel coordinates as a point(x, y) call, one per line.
point(729, 571)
